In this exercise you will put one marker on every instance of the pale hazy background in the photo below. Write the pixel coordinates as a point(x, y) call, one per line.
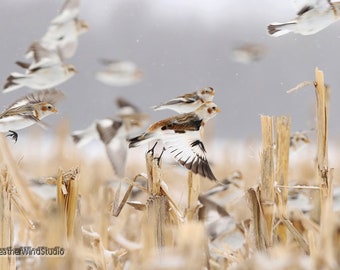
point(181, 46)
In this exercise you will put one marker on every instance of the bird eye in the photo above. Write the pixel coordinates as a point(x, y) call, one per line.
point(214, 108)
point(49, 107)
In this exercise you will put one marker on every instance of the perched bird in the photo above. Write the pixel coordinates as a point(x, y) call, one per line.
point(69, 11)
point(29, 110)
point(113, 133)
point(188, 102)
point(180, 135)
point(46, 71)
point(119, 73)
point(313, 16)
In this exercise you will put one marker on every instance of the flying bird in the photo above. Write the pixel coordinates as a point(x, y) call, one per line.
point(113, 133)
point(119, 73)
point(47, 71)
point(312, 17)
point(62, 38)
point(63, 32)
point(69, 11)
point(249, 53)
point(29, 110)
point(181, 137)
point(128, 117)
point(188, 102)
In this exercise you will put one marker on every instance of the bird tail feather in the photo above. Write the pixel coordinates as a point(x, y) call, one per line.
point(279, 29)
point(137, 141)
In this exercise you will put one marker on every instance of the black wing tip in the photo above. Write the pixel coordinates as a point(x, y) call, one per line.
point(76, 138)
point(22, 64)
point(304, 10)
point(122, 102)
point(202, 168)
point(9, 82)
point(208, 172)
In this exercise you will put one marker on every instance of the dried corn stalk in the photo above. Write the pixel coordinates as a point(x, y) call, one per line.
point(322, 100)
point(67, 198)
point(6, 221)
point(267, 179)
point(282, 135)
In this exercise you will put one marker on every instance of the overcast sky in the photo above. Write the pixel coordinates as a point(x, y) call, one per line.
point(182, 46)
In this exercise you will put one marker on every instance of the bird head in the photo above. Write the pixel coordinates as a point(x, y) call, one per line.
point(208, 110)
point(46, 109)
point(206, 94)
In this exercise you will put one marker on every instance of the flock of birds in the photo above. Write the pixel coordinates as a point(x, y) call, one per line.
point(180, 135)
point(45, 70)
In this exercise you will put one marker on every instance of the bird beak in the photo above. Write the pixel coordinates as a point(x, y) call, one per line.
point(218, 110)
point(54, 110)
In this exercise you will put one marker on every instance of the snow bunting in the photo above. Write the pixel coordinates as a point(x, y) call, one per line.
point(42, 57)
point(248, 53)
point(113, 132)
point(130, 118)
point(119, 73)
point(47, 71)
point(63, 32)
point(313, 16)
point(62, 38)
point(180, 135)
point(29, 110)
point(69, 11)
point(188, 102)
point(298, 139)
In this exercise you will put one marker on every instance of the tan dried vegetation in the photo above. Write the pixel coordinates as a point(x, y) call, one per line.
point(162, 219)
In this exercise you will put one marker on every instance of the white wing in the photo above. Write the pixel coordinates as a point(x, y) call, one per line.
point(301, 5)
point(120, 66)
point(42, 56)
point(115, 143)
point(69, 11)
point(189, 151)
point(117, 153)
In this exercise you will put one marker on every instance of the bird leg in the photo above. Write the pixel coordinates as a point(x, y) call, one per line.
point(13, 135)
point(160, 156)
point(152, 150)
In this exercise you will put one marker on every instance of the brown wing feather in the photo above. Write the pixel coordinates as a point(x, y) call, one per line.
point(181, 123)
